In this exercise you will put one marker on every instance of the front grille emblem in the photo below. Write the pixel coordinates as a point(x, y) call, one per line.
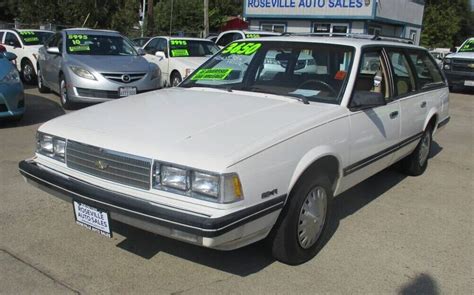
point(102, 165)
point(126, 78)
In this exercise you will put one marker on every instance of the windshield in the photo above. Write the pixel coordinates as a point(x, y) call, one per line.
point(468, 46)
point(192, 48)
point(34, 37)
point(85, 44)
point(306, 71)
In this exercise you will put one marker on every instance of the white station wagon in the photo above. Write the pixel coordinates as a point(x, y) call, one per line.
point(234, 155)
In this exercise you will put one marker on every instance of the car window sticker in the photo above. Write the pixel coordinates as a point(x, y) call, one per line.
point(211, 74)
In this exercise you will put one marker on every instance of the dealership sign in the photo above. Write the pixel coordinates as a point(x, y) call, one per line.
point(308, 8)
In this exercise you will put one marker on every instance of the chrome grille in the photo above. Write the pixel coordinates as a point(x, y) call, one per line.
point(122, 77)
point(114, 166)
point(463, 65)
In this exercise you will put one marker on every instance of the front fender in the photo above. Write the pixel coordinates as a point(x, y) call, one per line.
point(311, 157)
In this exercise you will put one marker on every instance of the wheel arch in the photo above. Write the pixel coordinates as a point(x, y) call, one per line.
point(322, 159)
point(25, 59)
point(431, 120)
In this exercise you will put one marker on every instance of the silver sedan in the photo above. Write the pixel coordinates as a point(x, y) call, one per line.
point(90, 66)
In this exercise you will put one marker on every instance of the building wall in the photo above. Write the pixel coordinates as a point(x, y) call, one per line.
point(407, 11)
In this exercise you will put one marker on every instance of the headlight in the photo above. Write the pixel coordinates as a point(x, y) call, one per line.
point(11, 77)
point(214, 187)
point(51, 146)
point(155, 72)
point(83, 73)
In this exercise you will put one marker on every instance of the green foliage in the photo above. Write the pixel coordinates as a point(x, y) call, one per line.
point(447, 23)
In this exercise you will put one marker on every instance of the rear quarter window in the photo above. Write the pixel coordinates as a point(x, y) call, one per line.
point(427, 72)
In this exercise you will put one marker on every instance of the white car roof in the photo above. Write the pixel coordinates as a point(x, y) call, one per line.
point(182, 38)
point(251, 32)
point(347, 41)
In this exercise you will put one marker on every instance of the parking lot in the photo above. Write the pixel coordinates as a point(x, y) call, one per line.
point(395, 234)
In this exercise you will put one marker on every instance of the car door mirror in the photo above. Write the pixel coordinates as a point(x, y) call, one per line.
point(366, 99)
point(140, 51)
point(10, 56)
point(160, 54)
point(53, 50)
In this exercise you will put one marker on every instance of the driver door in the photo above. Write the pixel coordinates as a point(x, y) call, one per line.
point(375, 132)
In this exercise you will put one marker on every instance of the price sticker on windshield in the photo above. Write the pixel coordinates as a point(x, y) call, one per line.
point(179, 52)
point(242, 48)
point(211, 74)
point(250, 36)
point(178, 43)
point(27, 33)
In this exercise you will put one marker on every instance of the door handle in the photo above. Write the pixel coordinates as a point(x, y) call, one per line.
point(423, 104)
point(393, 115)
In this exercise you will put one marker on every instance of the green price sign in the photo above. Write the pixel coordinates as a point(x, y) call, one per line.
point(250, 36)
point(178, 43)
point(27, 33)
point(242, 48)
point(79, 48)
point(179, 52)
point(211, 74)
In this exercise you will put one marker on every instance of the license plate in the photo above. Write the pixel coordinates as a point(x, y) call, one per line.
point(468, 83)
point(127, 91)
point(92, 218)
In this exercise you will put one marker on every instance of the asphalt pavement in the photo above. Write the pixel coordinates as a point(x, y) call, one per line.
point(395, 234)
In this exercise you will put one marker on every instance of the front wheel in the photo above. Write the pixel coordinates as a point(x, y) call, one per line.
point(299, 233)
point(415, 164)
point(65, 101)
point(28, 72)
point(175, 79)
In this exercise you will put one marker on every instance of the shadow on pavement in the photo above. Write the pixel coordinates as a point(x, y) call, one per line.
point(38, 110)
point(422, 284)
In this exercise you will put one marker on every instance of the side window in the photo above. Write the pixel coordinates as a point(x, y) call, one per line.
point(53, 42)
point(1, 36)
point(372, 74)
point(152, 46)
point(404, 79)
point(162, 45)
point(427, 71)
point(12, 40)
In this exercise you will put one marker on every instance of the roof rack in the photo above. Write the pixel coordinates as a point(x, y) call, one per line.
point(375, 37)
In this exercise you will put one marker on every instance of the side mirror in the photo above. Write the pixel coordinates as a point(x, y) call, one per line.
point(160, 54)
point(10, 56)
point(366, 99)
point(140, 51)
point(53, 50)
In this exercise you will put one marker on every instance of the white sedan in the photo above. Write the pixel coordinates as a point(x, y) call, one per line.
point(178, 57)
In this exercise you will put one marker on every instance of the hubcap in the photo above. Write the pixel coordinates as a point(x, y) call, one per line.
point(424, 149)
point(175, 81)
point(28, 72)
point(63, 92)
point(312, 217)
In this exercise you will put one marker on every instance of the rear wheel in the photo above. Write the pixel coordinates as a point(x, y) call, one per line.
point(41, 87)
point(28, 72)
point(299, 233)
point(415, 164)
point(65, 101)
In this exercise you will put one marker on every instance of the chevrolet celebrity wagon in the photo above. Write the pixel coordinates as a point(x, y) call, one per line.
point(237, 154)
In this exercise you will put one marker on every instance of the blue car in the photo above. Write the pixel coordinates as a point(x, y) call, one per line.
point(12, 98)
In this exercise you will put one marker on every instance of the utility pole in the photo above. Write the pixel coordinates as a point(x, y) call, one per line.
point(150, 23)
point(142, 16)
point(206, 18)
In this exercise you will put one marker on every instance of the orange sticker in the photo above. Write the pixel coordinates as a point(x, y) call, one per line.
point(340, 75)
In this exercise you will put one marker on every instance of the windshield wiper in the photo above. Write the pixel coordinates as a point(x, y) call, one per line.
point(299, 97)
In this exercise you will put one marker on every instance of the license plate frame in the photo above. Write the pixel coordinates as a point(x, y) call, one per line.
point(85, 217)
point(127, 91)
point(469, 83)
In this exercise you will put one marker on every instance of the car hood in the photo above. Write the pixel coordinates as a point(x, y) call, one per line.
point(461, 55)
point(203, 128)
point(101, 63)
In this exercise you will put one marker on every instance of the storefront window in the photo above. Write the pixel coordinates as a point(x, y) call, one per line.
point(279, 28)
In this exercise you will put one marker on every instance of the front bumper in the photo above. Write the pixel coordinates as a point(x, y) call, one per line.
point(12, 100)
point(227, 232)
point(456, 78)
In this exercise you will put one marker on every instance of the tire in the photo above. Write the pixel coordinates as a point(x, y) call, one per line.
point(40, 84)
point(28, 72)
point(63, 96)
point(175, 79)
point(415, 164)
point(287, 238)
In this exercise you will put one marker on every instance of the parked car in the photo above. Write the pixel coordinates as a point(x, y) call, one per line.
point(90, 66)
point(12, 99)
point(459, 66)
point(25, 44)
point(228, 158)
point(227, 37)
point(178, 57)
point(139, 42)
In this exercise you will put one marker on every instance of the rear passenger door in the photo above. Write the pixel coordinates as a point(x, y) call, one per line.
point(416, 79)
point(374, 131)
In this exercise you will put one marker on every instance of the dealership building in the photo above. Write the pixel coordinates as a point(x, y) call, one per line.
point(397, 18)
